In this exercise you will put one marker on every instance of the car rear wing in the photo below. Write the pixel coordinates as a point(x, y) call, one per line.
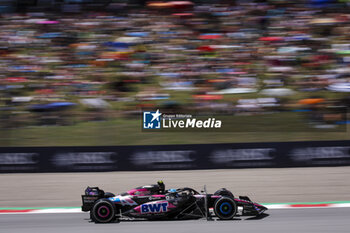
point(91, 195)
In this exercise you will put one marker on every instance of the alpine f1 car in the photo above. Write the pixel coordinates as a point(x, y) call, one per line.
point(153, 202)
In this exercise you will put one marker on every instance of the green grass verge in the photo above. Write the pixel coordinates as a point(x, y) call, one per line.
point(285, 126)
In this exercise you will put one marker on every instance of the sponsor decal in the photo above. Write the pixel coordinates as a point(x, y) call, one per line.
point(322, 155)
point(18, 158)
point(139, 193)
point(151, 198)
point(18, 161)
point(244, 157)
point(164, 159)
point(90, 199)
point(114, 199)
point(154, 207)
point(84, 160)
point(123, 200)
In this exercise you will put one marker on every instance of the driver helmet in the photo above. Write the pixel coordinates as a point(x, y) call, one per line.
point(161, 186)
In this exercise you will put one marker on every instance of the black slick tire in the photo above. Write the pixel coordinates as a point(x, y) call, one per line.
point(103, 211)
point(225, 208)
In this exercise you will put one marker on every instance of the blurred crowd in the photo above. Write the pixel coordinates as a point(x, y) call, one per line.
point(231, 57)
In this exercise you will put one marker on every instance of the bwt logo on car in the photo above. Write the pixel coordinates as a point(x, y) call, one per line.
point(154, 207)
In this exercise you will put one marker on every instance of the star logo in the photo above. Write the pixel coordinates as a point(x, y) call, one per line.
point(151, 120)
point(156, 115)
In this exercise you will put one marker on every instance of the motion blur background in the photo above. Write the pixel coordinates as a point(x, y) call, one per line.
point(80, 72)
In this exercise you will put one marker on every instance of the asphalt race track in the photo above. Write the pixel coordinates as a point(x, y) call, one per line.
point(327, 220)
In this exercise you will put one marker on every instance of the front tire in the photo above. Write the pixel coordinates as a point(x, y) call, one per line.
point(225, 208)
point(103, 211)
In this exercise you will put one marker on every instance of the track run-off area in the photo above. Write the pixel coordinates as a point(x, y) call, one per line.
point(307, 200)
point(270, 185)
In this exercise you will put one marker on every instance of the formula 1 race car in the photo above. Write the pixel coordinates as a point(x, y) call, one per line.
point(153, 202)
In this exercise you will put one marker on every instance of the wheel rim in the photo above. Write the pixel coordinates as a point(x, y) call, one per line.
point(103, 211)
point(225, 208)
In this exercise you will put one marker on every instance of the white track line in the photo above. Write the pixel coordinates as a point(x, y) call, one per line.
point(78, 210)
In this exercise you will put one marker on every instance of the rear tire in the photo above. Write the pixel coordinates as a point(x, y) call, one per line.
point(225, 208)
point(103, 211)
